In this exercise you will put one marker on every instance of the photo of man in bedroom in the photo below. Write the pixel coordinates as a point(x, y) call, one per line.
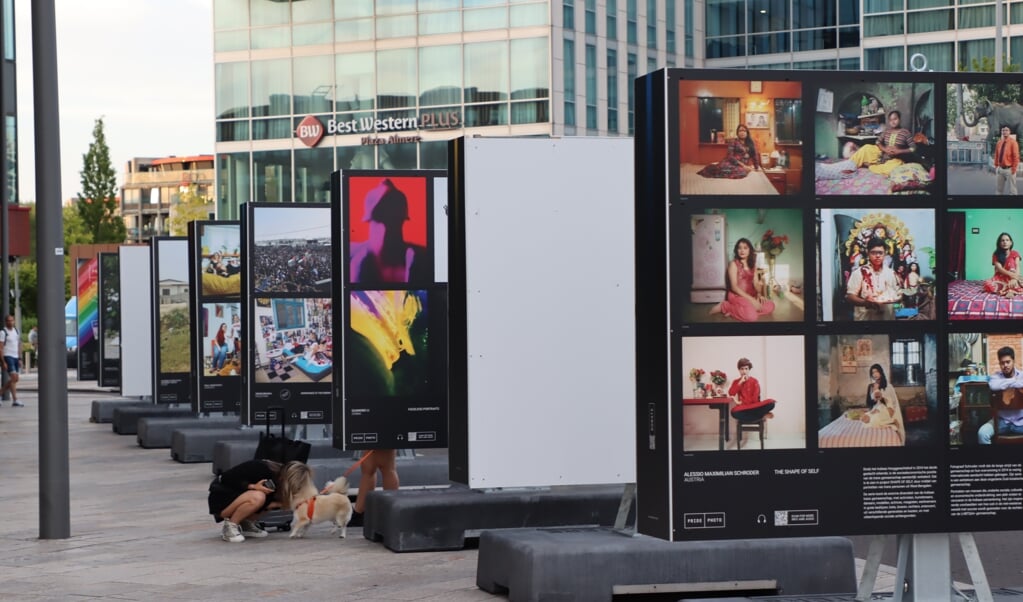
point(740, 137)
point(985, 278)
point(984, 381)
point(876, 264)
point(743, 393)
point(874, 139)
point(746, 266)
point(886, 398)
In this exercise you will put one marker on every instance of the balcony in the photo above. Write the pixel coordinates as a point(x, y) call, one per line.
point(168, 178)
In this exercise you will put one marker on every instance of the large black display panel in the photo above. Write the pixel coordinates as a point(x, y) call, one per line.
point(393, 310)
point(216, 284)
point(109, 320)
point(287, 314)
point(172, 353)
point(840, 356)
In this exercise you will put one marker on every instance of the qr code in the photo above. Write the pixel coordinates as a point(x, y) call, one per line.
point(781, 518)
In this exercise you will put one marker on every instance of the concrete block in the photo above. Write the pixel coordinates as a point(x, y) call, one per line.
point(103, 409)
point(586, 563)
point(441, 519)
point(155, 432)
point(196, 445)
point(125, 420)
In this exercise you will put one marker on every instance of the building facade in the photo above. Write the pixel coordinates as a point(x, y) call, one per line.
point(306, 88)
point(8, 106)
point(153, 186)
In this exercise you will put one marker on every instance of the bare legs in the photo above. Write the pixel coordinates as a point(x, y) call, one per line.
point(383, 460)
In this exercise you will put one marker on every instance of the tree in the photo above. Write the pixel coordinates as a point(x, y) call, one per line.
point(97, 202)
point(191, 206)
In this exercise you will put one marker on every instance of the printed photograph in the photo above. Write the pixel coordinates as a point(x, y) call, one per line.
point(388, 225)
point(743, 393)
point(291, 249)
point(889, 399)
point(874, 139)
point(110, 290)
point(222, 339)
point(221, 265)
point(983, 127)
point(294, 340)
point(747, 266)
point(985, 387)
point(877, 264)
point(388, 350)
point(985, 282)
point(740, 137)
point(175, 324)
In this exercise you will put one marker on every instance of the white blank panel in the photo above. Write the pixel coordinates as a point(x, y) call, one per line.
point(136, 323)
point(550, 311)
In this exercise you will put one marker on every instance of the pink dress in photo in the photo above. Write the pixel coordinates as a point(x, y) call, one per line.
point(1001, 282)
point(739, 307)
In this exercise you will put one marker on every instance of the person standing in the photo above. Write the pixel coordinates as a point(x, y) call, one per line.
point(1006, 162)
point(11, 340)
point(33, 339)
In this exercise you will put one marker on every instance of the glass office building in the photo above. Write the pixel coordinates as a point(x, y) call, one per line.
point(310, 86)
point(8, 105)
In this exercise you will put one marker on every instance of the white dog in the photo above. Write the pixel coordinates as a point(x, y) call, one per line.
point(332, 504)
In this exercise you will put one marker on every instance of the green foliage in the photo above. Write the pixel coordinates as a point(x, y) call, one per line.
point(97, 202)
point(977, 92)
point(191, 206)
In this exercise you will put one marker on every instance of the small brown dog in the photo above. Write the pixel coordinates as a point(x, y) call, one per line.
point(332, 504)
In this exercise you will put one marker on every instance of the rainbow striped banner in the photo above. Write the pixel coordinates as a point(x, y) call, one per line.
point(88, 301)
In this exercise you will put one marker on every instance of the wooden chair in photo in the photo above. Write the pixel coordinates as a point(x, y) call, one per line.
point(1009, 399)
point(750, 426)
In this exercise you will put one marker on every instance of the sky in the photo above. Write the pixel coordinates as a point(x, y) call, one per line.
point(144, 66)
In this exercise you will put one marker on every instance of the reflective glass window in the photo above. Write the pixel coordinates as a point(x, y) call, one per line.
point(769, 44)
point(229, 14)
point(568, 14)
point(396, 156)
point(590, 16)
point(478, 3)
point(813, 14)
point(271, 87)
point(569, 83)
point(308, 11)
point(271, 37)
point(885, 25)
point(355, 76)
point(651, 23)
point(485, 18)
point(488, 114)
point(529, 68)
point(486, 71)
point(852, 64)
point(725, 17)
point(726, 47)
point(229, 41)
point(768, 15)
point(272, 171)
point(440, 75)
point(940, 57)
point(425, 5)
point(395, 7)
point(529, 15)
point(8, 21)
point(884, 59)
point(356, 157)
point(931, 20)
point(402, 26)
point(591, 86)
point(353, 31)
point(269, 12)
point(11, 152)
point(530, 112)
point(815, 39)
point(882, 6)
point(669, 29)
point(271, 129)
point(313, 167)
point(980, 16)
point(312, 34)
point(232, 131)
point(631, 27)
point(823, 64)
point(631, 69)
point(929, 3)
point(396, 78)
point(612, 91)
point(848, 13)
point(350, 9)
point(234, 184)
point(849, 37)
point(436, 23)
point(611, 6)
point(975, 50)
point(314, 84)
point(232, 89)
point(433, 154)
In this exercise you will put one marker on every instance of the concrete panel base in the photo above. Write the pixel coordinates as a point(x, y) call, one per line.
point(125, 420)
point(155, 432)
point(190, 445)
point(587, 564)
point(441, 519)
point(103, 409)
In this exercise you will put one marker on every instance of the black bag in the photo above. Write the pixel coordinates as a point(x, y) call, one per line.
point(281, 449)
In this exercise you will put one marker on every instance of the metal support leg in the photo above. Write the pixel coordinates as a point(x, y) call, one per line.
point(628, 496)
point(977, 575)
point(870, 568)
point(925, 568)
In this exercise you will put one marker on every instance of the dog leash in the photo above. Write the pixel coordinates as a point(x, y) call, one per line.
point(352, 468)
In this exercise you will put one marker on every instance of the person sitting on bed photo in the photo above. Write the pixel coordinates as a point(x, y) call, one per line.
point(740, 158)
point(1007, 281)
point(891, 148)
point(1007, 377)
point(884, 411)
point(745, 300)
point(746, 392)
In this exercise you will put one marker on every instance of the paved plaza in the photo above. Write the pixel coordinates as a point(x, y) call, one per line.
point(140, 531)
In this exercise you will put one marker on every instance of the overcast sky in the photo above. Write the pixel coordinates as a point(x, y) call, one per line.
point(144, 66)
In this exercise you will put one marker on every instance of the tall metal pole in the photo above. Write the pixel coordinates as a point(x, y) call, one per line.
point(54, 481)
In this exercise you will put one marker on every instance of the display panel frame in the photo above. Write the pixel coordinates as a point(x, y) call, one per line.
point(109, 320)
point(172, 321)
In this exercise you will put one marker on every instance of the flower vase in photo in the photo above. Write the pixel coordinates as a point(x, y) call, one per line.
point(697, 390)
point(769, 288)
